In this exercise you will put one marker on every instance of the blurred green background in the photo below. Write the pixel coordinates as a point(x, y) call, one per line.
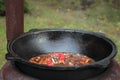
point(91, 15)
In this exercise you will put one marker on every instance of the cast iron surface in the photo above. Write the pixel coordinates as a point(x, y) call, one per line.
point(37, 42)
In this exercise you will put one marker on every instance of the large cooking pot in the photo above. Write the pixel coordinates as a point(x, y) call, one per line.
point(35, 42)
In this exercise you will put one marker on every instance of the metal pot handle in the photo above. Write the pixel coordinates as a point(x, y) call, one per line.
point(8, 56)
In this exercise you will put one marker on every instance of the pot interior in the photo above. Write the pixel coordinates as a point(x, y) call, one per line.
point(34, 44)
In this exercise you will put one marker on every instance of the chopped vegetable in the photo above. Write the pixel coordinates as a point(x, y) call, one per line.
point(61, 59)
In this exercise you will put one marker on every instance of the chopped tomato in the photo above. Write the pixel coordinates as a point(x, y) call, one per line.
point(49, 62)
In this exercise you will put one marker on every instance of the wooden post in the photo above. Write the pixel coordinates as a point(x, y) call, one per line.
point(14, 18)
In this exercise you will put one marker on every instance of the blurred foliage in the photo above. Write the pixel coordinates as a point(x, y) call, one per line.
point(80, 4)
point(116, 3)
point(26, 7)
point(71, 4)
point(105, 10)
point(110, 12)
point(2, 7)
point(113, 3)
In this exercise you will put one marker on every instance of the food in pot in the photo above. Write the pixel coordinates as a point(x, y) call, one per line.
point(61, 59)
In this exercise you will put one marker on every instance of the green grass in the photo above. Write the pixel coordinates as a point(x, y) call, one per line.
point(2, 41)
point(98, 19)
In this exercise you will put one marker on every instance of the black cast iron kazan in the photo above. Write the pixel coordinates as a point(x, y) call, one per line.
point(36, 42)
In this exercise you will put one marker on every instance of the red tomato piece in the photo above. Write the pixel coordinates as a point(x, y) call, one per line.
point(62, 58)
point(49, 62)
